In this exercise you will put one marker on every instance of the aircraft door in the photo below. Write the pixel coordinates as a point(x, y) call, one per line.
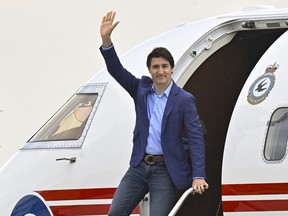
point(255, 156)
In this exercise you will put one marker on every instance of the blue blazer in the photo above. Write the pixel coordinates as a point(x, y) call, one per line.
point(180, 116)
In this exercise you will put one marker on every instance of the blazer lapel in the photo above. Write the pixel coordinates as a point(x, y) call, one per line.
point(172, 98)
point(143, 97)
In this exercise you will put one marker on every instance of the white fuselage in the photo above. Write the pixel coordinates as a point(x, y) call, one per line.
point(253, 179)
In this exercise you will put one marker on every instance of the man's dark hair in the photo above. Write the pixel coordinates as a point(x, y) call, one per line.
point(160, 52)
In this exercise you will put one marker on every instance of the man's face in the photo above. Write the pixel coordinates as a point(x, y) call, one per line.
point(161, 72)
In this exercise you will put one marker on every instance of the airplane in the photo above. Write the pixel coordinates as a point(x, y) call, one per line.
point(236, 67)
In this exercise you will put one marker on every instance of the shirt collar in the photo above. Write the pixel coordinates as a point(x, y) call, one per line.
point(166, 92)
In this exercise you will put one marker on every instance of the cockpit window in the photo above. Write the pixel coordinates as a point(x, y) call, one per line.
point(277, 136)
point(69, 126)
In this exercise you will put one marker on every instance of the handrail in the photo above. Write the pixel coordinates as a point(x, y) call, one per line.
point(180, 201)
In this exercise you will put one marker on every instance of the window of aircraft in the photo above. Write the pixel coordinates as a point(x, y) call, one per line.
point(69, 126)
point(277, 136)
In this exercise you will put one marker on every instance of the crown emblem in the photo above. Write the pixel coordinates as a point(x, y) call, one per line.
point(261, 87)
point(272, 68)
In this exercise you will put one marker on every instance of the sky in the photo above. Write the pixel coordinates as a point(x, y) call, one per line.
point(49, 48)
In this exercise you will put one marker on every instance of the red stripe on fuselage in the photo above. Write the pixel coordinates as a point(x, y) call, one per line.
point(254, 205)
point(254, 189)
point(77, 194)
point(80, 194)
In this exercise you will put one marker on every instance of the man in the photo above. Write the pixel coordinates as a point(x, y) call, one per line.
point(164, 112)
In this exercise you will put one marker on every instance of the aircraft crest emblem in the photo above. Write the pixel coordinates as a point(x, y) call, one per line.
point(261, 87)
